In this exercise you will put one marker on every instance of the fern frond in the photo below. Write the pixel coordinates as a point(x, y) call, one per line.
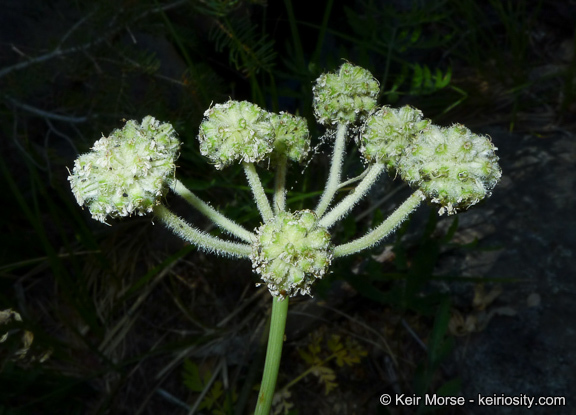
point(249, 50)
point(219, 8)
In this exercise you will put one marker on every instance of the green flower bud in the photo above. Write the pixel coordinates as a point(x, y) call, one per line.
point(236, 131)
point(346, 96)
point(291, 136)
point(128, 172)
point(387, 132)
point(452, 166)
point(291, 252)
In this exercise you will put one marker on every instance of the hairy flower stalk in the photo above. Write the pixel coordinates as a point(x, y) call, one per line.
point(259, 194)
point(346, 204)
point(219, 219)
point(383, 230)
point(131, 171)
point(280, 185)
point(201, 239)
point(333, 182)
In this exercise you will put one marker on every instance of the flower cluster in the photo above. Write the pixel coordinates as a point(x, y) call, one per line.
point(387, 132)
point(128, 172)
point(291, 252)
point(235, 131)
point(346, 96)
point(452, 166)
point(291, 137)
point(132, 169)
point(239, 131)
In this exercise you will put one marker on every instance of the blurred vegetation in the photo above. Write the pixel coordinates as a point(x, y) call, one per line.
point(112, 316)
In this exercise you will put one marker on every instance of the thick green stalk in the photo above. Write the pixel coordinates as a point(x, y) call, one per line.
point(258, 191)
point(384, 229)
point(333, 182)
point(201, 239)
point(349, 201)
point(212, 214)
point(273, 355)
point(280, 185)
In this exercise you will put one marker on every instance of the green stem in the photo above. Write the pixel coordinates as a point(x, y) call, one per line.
point(201, 239)
point(273, 355)
point(280, 185)
point(212, 214)
point(384, 229)
point(258, 191)
point(335, 170)
point(349, 201)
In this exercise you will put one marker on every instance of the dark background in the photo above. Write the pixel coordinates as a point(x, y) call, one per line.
point(128, 319)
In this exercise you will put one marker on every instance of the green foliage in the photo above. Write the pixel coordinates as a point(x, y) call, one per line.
point(423, 81)
point(250, 50)
point(496, 35)
point(319, 352)
point(214, 398)
point(403, 286)
point(439, 346)
point(407, 31)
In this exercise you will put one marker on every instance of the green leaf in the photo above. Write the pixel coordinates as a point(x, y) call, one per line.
point(307, 357)
point(451, 230)
point(191, 376)
point(438, 346)
point(443, 80)
point(416, 34)
point(249, 49)
point(378, 218)
point(417, 79)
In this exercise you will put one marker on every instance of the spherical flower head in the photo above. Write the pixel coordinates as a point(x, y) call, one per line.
point(387, 132)
point(291, 252)
point(128, 172)
point(345, 97)
point(291, 136)
point(453, 167)
point(236, 131)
